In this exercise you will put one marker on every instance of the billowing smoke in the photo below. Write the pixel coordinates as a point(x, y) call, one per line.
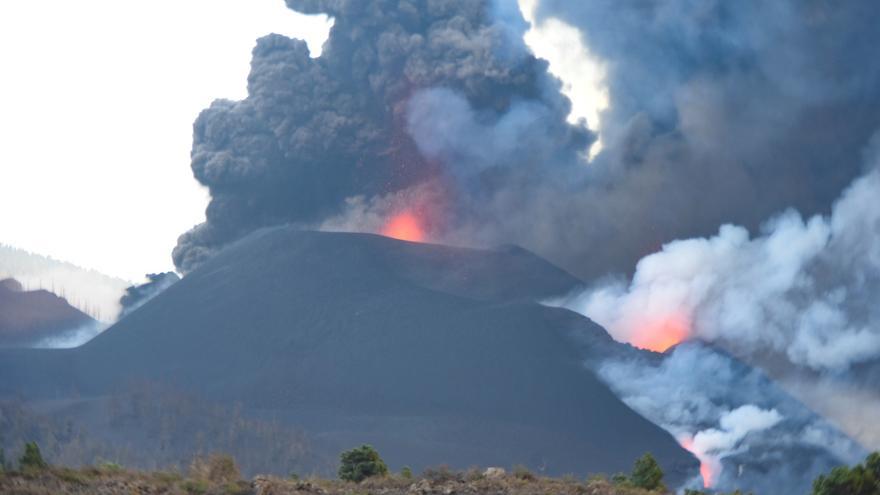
point(746, 431)
point(316, 132)
point(138, 295)
point(717, 113)
point(799, 300)
point(803, 288)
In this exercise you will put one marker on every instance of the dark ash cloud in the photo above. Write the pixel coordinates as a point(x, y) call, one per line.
point(314, 132)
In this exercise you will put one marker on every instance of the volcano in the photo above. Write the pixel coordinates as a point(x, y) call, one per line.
point(435, 355)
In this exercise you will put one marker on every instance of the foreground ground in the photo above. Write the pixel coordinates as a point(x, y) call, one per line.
point(114, 480)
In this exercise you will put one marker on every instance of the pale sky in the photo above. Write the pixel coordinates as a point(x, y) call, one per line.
point(98, 100)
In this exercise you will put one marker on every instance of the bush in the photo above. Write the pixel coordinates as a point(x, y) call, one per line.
point(406, 473)
point(361, 463)
point(861, 479)
point(521, 472)
point(195, 487)
point(442, 474)
point(32, 459)
point(218, 468)
point(647, 474)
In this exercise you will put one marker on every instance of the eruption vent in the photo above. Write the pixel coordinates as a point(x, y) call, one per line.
point(404, 226)
point(659, 334)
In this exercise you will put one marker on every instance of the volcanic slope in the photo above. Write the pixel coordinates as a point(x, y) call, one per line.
point(433, 354)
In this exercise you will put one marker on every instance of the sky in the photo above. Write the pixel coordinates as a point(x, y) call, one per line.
point(98, 100)
point(98, 105)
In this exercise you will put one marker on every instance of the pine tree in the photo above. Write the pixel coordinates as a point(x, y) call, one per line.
point(647, 473)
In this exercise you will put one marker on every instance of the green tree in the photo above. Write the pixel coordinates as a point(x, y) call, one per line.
point(361, 463)
point(406, 473)
point(647, 474)
point(861, 479)
point(32, 459)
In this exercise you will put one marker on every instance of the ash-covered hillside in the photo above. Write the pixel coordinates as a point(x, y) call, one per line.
point(435, 355)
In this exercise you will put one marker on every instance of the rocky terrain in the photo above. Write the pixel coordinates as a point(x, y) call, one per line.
point(111, 480)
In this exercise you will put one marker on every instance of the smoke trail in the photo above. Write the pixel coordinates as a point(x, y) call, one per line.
point(138, 295)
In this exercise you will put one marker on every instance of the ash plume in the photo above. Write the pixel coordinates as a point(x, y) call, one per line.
point(315, 132)
point(717, 114)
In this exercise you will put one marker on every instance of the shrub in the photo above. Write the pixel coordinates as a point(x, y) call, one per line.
point(196, 487)
point(406, 473)
point(647, 474)
point(620, 479)
point(441, 474)
point(521, 472)
point(218, 468)
point(361, 463)
point(32, 459)
point(474, 474)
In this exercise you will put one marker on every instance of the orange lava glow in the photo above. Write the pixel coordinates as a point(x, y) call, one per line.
point(706, 471)
point(404, 226)
point(661, 334)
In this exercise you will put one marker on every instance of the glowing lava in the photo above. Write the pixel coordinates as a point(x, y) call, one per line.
point(404, 226)
point(660, 334)
point(706, 471)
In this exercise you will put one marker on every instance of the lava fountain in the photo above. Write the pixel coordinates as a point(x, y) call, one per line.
point(405, 226)
point(707, 472)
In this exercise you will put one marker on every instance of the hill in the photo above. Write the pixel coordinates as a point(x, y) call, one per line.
point(28, 318)
point(435, 355)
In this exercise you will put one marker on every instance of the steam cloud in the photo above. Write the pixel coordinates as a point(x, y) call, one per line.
point(804, 288)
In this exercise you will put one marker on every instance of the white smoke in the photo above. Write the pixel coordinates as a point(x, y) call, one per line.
point(738, 423)
point(713, 444)
point(805, 289)
point(72, 338)
point(89, 291)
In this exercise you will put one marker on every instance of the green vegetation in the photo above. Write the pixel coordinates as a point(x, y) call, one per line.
point(647, 474)
point(32, 459)
point(861, 479)
point(521, 472)
point(361, 463)
point(218, 474)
